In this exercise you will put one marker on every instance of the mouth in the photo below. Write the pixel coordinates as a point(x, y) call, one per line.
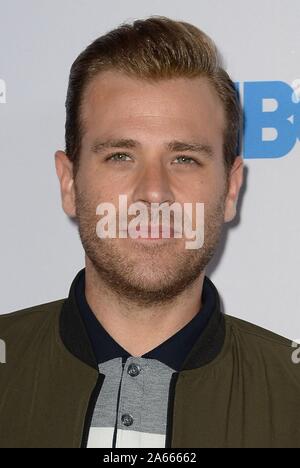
point(155, 233)
point(152, 233)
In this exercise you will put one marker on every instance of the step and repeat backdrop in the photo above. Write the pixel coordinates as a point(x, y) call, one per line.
point(256, 267)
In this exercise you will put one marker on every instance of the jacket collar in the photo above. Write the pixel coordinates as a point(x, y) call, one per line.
point(75, 337)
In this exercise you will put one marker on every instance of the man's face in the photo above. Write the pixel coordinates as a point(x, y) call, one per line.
point(117, 107)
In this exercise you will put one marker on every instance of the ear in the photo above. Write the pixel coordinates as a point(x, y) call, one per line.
point(64, 171)
point(234, 184)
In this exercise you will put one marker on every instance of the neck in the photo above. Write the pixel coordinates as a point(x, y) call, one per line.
point(140, 329)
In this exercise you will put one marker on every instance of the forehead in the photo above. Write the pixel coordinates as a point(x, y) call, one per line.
point(115, 101)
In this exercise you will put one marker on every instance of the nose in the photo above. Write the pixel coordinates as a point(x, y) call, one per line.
point(153, 184)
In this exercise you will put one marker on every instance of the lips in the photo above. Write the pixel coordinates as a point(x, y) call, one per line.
point(158, 232)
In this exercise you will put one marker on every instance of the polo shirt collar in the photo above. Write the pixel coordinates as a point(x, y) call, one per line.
point(205, 346)
point(171, 352)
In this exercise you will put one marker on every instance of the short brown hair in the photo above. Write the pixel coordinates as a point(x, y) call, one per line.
point(152, 49)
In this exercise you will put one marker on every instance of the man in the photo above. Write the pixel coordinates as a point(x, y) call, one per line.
point(139, 354)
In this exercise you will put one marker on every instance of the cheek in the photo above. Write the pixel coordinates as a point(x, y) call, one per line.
point(208, 189)
point(92, 187)
point(104, 186)
point(213, 198)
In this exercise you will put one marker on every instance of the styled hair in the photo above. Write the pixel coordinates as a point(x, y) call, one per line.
point(152, 49)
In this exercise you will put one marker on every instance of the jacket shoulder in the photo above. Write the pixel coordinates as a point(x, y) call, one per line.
point(29, 318)
point(263, 349)
point(257, 333)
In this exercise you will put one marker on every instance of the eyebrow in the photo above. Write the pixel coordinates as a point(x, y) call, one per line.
point(174, 145)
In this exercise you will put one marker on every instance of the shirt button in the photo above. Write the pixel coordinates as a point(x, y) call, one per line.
point(127, 419)
point(133, 370)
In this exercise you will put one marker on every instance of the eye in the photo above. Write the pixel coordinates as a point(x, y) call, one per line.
point(186, 160)
point(117, 157)
point(121, 157)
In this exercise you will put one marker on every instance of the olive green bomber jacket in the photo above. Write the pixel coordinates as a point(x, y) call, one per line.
point(239, 386)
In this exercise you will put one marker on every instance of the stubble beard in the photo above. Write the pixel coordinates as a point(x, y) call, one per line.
point(147, 275)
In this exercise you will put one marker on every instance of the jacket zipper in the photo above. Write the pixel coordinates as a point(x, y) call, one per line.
point(90, 410)
point(170, 410)
point(114, 441)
